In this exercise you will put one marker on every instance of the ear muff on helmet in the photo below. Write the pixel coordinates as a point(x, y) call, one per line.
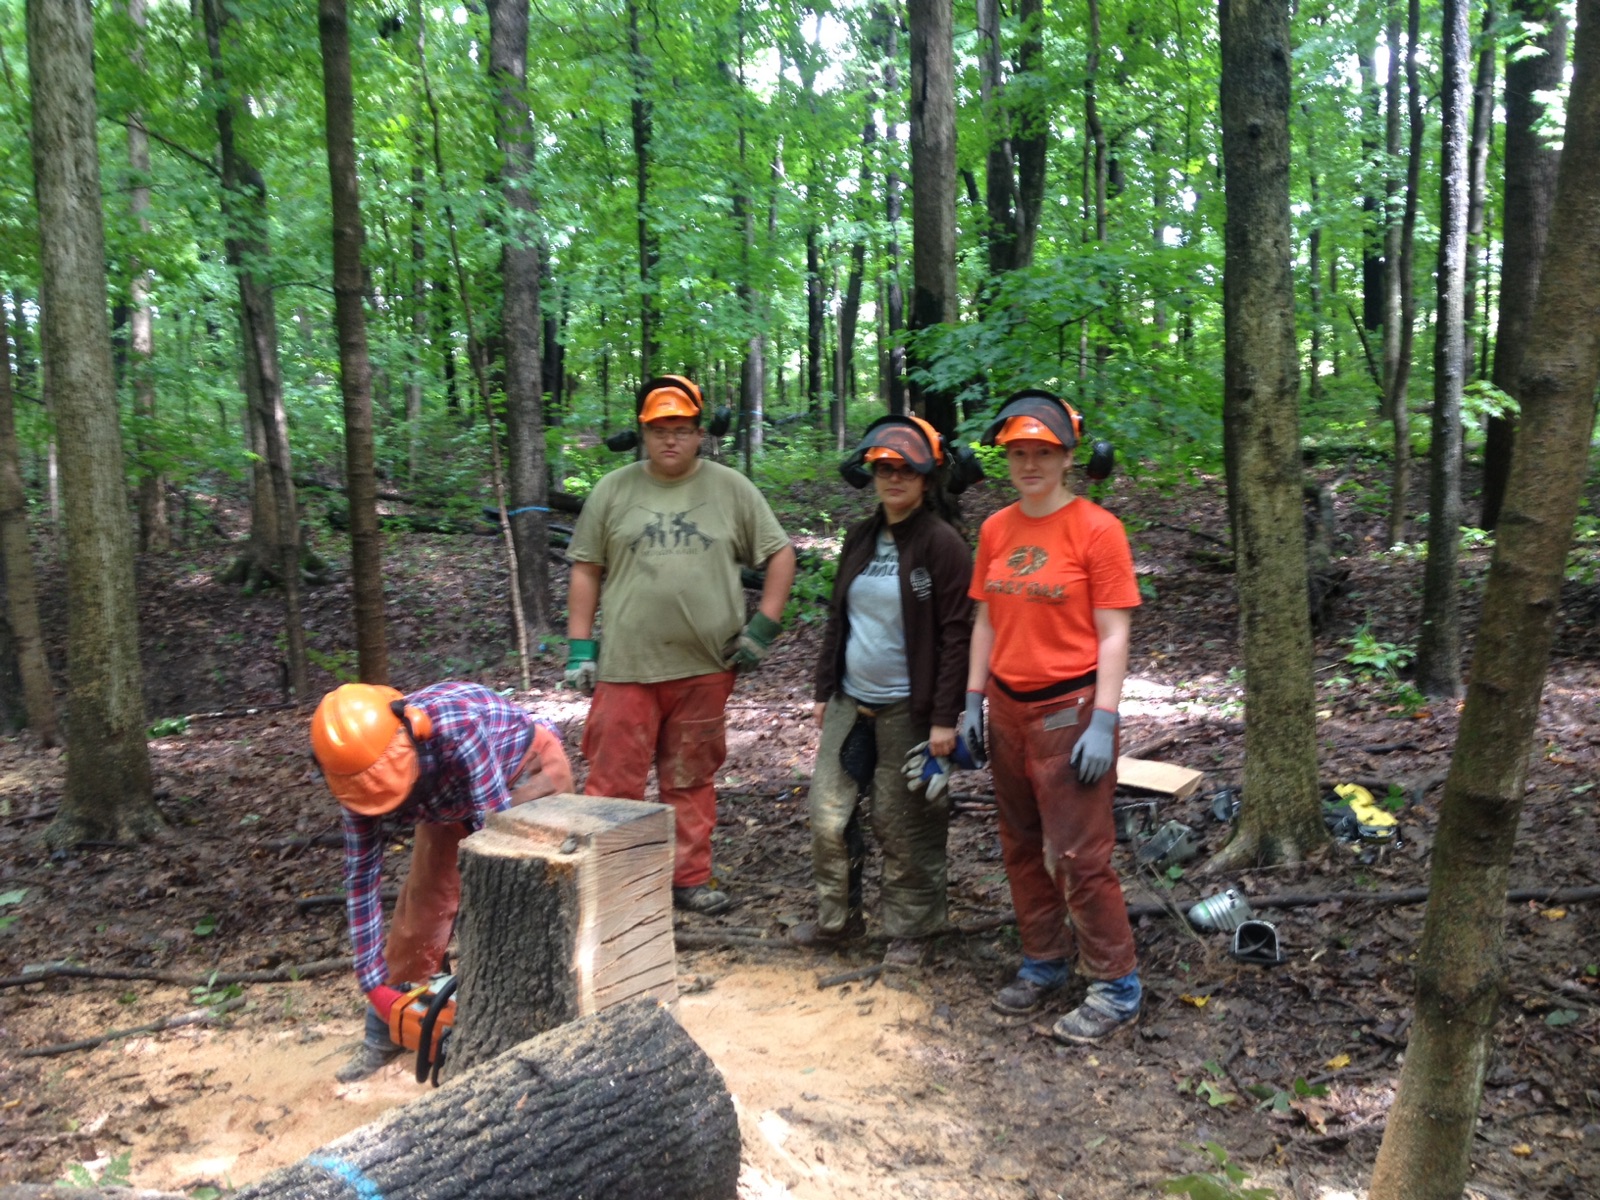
point(908, 439)
point(362, 737)
point(1102, 459)
point(965, 469)
point(418, 723)
point(669, 396)
point(1048, 409)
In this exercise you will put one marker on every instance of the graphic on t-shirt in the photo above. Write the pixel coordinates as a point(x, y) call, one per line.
point(671, 533)
point(1025, 560)
point(885, 561)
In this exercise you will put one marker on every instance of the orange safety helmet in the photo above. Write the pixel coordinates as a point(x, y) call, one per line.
point(1033, 414)
point(364, 738)
point(669, 396)
point(884, 444)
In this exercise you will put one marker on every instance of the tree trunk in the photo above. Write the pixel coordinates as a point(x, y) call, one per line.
point(108, 788)
point(244, 212)
point(21, 590)
point(894, 296)
point(622, 1104)
point(419, 309)
point(1372, 262)
point(155, 531)
point(1439, 647)
point(1476, 365)
point(1393, 206)
point(1281, 818)
point(1535, 64)
point(933, 187)
point(567, 909)
point(1427, 1145)
point(1030, 134)
point(519, 318)
point(1398, 397)
point(999, 167)
point(355, 367)
point(649, 250)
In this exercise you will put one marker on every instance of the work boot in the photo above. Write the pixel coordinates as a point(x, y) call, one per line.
point(906, 952)
point(369, 1059)
point(701, 899)
point(814, 937)
point(1111, 1004)
point(1036, 980)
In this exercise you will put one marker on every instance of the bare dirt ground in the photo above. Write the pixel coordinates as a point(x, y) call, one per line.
point(893, 1085)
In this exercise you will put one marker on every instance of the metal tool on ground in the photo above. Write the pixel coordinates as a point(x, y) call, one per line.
point(1173, 843)
point(1221, 913)
point(1359, 817)
point(1257, 942)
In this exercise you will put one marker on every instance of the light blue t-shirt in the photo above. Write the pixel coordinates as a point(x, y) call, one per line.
point(875, 669)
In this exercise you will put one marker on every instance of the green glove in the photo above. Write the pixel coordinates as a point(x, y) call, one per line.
point(583, 667)
point(746, 649)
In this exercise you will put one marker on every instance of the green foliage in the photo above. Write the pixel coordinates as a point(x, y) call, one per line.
point(205, 926)
point(1373, 658)
point(16, 896)
point(813, 588)
point(169, 727)
point(117, 1173)
point(1223, 1183)
point(209, 995)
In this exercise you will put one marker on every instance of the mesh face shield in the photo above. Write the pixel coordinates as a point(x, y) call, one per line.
point(1054, 414)
point(889, 438)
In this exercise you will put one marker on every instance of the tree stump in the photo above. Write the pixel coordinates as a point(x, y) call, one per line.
point(620, 1105)
point(566, 910)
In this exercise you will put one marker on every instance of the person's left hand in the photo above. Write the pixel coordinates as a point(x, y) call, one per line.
point(1095, 748)
point(747, 648)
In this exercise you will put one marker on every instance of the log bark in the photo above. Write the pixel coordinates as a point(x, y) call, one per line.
point(566, 909)
point(622, 1104)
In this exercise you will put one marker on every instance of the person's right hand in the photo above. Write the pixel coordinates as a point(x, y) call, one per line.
point(971, 729)
point(583, 667)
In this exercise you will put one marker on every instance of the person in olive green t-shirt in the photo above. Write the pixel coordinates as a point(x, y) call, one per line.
point(669, 534)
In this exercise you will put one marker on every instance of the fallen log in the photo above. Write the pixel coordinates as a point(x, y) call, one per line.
point(621, 1104)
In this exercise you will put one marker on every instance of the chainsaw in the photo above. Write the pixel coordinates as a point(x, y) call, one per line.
point(422, 1020)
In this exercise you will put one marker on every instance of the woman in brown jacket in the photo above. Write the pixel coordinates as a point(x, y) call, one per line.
point(891, 674)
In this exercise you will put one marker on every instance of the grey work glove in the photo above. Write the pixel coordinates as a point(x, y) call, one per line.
point(932, 772)
point(583, 667)
point(970, 730)
point(746, 649)
point(1096, 746)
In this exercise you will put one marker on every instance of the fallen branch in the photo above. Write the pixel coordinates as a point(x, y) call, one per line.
point(710, 939)
point(336, 899)
point(203, 1016)
point(828, 981)
point(289, 974)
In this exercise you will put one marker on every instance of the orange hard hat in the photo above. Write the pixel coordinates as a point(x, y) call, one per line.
point(1020, 429)
point(362, 735)
point(669, 396)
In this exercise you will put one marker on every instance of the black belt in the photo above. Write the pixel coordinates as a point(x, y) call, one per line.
point(1045, 693)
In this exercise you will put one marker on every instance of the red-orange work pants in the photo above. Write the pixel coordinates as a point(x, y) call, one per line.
point(430, 897)
point(1056, 835)
point(679, 725)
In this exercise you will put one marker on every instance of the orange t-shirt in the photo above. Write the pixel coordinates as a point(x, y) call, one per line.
point(1042, 578)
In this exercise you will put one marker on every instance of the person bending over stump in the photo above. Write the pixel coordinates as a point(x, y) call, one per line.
point(659, 546)
point(441, 759)
point(1055, 588)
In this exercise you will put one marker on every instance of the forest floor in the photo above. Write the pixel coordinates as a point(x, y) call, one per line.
point(897, 1085)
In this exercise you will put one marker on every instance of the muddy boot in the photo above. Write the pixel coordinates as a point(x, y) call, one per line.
point(368, 1059)
point(701, 899)
point(813, 936)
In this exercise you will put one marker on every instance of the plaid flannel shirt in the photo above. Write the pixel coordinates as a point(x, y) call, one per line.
point(479, 738)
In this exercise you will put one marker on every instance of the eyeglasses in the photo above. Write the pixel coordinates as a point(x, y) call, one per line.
point(890, 470)
point(673, 433)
